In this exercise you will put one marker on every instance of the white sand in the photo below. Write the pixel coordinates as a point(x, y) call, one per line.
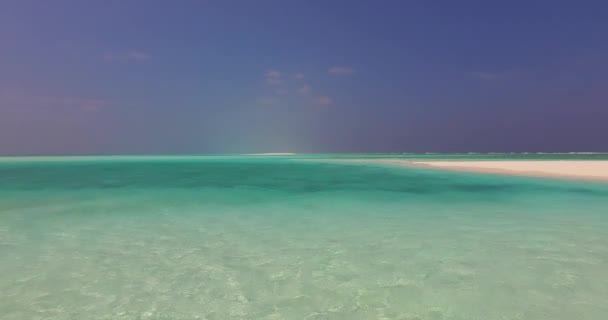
point(580, 169)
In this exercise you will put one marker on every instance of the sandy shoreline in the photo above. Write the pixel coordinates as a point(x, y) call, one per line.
point(572, 169)
point(576, 169)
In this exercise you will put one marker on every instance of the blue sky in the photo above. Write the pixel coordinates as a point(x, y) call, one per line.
point(302, 76)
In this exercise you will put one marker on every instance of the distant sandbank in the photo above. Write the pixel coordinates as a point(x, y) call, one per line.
point(574, 169)
point(579, 169)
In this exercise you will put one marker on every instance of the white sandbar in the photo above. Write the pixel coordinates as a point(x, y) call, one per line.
point(580, 169)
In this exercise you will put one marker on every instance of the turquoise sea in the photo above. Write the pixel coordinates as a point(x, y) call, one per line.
point(294, 237)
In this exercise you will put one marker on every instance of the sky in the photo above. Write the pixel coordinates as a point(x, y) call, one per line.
point(165, 77)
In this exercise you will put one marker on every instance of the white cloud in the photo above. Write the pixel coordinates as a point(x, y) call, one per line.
point(341, 71)
point(298, 76)
point(273, 77)
point(323, 100)
point(273, 81)
point(304, 89)
point(272, 74)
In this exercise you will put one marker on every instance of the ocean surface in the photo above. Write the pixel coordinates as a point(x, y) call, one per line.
point(294, 237)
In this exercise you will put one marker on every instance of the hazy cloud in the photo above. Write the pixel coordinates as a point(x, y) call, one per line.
point(341, 71)
point(273, 77)
point(125, 56)
point(304, 89)
point(298, 76)
point(273, 81)
point(288, 84)
point(272, 74)
point(323, 100)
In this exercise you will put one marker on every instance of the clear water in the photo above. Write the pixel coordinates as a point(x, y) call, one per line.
point(277, 238)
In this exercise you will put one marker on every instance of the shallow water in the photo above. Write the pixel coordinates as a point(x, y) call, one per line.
point(278, 238)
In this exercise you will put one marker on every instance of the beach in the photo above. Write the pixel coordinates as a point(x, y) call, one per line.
point(570, 169)
point(592, 170)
